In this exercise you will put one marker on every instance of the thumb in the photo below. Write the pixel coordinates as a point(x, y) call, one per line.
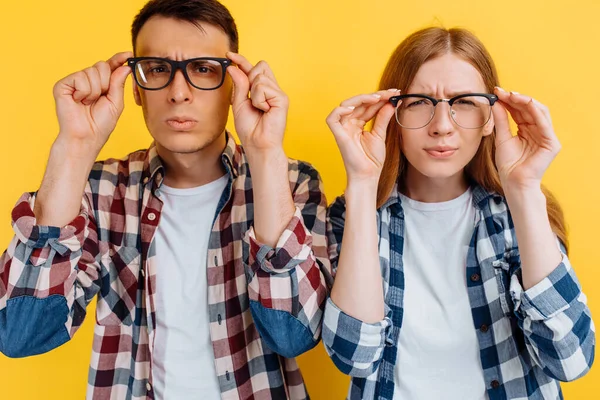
point(117, 85)
point(382, 120)
point(241, 86)
point(501, 123)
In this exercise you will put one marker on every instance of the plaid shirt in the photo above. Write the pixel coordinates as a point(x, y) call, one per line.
point(261, 300)
point(528, 339)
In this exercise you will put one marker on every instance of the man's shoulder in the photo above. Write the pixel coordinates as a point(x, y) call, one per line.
point(127, 170)
point(300, 169)
point(303, 168)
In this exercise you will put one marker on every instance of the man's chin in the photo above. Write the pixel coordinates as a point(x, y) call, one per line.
point(182, 149)
point(184, 145)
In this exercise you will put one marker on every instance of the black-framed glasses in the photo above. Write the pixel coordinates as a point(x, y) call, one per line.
point(469, 110)
point(154, 73)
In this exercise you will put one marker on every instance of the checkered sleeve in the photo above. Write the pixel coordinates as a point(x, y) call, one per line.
point(355, 347)
point(559, 330)
point(292, 279)
point(48, 275)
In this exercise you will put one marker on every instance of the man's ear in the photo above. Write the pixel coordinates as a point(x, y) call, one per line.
point(136, 92)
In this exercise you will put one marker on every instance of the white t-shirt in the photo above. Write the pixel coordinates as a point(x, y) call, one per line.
point(438, 352)
point(183, 359)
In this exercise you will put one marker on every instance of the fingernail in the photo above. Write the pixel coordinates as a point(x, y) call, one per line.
point(377, 95)
point(392, 90)
point(350, 107)
point(515, 93)
point(500, 89)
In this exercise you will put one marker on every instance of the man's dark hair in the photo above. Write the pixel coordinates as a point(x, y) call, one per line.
point(195, 11)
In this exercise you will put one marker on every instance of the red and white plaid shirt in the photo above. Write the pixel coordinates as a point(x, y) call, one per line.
point(49, 275)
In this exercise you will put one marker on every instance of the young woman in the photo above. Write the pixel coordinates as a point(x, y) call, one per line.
point(452, 276)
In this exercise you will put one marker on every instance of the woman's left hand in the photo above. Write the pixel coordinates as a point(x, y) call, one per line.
point(522, 159)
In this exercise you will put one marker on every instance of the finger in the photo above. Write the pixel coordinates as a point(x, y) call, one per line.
point(516, 102)
point(241, 86)
point(262, 80)
point(263, 87)
point(333, 120)
point(386, 95)
point(262, 68)
point(245, 65)
point(361, 99)
point(117, 85)
point(367, 112)
point(501, 123)
point(543, 109)
point(264, 96)
point(382, 120)
point(95, 85)
point(104, 71)
point(516, 114)
point(80, 85)
point(118, 59)
point(504, 98)
point(539, 117)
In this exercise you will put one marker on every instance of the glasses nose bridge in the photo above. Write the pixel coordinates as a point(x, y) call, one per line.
point(437, 102)
point(450, 111)
point(179, 66)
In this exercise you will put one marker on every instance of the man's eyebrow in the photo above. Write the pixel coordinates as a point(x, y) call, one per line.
point(173, 59)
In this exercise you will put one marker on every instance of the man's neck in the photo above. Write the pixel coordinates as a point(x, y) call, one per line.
point(193, 169)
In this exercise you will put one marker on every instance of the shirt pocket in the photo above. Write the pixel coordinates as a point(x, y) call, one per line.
point(119, 287)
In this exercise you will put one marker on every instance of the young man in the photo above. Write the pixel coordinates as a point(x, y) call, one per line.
point(209, 262)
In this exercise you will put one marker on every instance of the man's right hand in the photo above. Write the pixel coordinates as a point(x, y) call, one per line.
point(90, 102)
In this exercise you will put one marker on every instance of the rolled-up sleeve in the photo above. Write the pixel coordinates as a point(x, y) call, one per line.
point(48, 275)
point(288, 284)
point(557, 323)
point(355, 347)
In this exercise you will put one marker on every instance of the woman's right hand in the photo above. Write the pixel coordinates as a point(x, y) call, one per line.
point(363, 151)
point(90, 102)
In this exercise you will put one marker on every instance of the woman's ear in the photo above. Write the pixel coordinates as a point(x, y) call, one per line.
point(489, 127)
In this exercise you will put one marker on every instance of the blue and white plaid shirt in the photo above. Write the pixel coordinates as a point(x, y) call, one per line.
point(529, 340)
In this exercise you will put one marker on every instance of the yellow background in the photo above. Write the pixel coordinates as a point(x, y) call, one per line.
point(322, 52)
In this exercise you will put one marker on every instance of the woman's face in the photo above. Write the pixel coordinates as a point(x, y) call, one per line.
point(442, 148)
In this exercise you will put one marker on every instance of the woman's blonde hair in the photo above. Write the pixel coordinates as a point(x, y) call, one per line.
point(399, 72)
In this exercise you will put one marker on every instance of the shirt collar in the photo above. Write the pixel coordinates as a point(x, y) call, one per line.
point(481, 198)
point(155, 170)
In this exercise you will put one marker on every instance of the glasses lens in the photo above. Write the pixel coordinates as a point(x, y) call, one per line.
point(152, 73)
point(471, 112)
point(414, 112)
point(205, 74)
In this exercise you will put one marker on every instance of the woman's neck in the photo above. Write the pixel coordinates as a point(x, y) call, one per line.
point(433, 190)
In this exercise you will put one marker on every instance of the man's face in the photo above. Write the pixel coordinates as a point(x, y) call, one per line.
point(181, 118)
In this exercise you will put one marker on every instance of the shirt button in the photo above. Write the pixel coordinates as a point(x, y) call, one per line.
point(148, 386)
point(145, 180)
point(484, 328)
point(151, 216)
point(495, 384)
point(475, 277)
point(142, 272)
